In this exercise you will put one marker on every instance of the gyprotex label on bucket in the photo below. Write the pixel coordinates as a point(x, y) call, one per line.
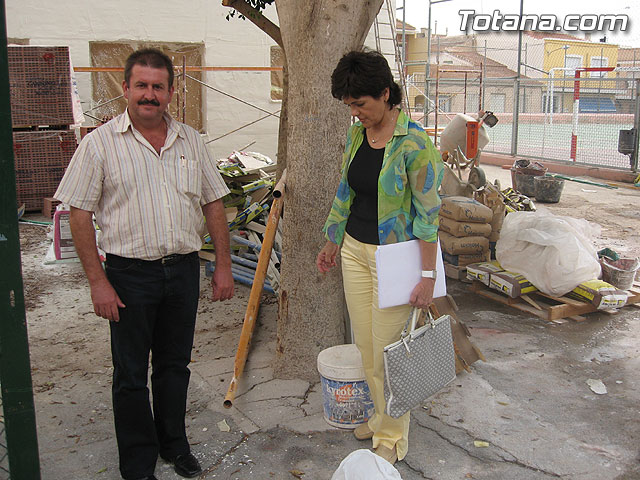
point(346, 404)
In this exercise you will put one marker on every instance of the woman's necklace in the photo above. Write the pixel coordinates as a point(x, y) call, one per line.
point(393, 122)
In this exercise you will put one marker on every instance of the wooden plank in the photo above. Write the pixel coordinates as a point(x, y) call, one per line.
point(567, 310)
point(530, 301)
point(541, 307)
point(511, 302)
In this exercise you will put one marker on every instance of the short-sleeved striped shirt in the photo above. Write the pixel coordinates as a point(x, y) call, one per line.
point(148, 205)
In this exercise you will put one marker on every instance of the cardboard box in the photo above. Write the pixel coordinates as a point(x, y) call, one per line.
point(482, 271)
point(510, 283)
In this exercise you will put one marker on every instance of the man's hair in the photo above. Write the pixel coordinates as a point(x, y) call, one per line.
point(360, 73)
point(148, 57)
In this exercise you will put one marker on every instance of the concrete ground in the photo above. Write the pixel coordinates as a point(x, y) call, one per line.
point(529, 401)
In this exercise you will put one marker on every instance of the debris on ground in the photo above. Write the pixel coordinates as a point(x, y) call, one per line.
point(597, 386)
point(251, 178)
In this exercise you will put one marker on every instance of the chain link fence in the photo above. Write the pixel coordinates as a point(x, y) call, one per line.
point(560, 117)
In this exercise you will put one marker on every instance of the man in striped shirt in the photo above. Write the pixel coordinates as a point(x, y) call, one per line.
point(148, 179)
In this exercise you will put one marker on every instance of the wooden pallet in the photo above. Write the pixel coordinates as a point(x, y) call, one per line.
point(551, 309)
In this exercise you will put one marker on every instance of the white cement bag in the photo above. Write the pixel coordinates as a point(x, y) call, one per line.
point(365, 465)
point(555, 253)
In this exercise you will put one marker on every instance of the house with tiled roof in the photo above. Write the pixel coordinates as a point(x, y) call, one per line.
point(460, 66)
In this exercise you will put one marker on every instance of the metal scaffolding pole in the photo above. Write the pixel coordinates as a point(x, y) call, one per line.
point(516, 93)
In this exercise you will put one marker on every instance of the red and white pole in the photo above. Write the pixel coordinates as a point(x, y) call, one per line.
point(576, 105)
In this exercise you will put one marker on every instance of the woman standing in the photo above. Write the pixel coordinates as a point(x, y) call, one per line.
point(388, 193)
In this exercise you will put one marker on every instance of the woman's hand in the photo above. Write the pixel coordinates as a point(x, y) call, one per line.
point(422, 294)
point(326, 259)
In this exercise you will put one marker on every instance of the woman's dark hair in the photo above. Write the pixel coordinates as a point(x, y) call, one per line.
point(148, 57)
point(361, 73)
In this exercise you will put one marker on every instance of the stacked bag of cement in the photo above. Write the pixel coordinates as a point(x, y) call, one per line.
point(465, 228)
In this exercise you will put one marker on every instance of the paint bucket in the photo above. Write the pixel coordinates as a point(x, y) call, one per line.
point(619, 273)
point(548, 189)
point(345, 393)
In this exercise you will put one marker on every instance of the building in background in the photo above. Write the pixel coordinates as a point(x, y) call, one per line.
point(102, 34)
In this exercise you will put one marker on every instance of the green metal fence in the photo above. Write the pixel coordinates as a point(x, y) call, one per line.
point(18, 439)
point(4, 455)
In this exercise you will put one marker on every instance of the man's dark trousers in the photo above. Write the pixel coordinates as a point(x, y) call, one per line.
point(161, 301)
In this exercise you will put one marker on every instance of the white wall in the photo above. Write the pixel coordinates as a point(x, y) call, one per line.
point(227, 43)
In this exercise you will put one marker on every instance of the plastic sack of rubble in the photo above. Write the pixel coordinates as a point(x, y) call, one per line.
point(555, 253)
point(365, 465)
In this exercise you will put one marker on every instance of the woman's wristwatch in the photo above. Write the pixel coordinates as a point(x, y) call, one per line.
point(429, 274)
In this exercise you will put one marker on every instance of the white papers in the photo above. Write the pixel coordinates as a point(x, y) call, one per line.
point(399, 267)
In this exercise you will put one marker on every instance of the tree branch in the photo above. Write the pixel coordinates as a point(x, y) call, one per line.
point(255, 16)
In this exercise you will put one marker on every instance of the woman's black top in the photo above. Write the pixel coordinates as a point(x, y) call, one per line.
point(363, 174)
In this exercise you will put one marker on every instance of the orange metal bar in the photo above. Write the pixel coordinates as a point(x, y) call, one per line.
point(472, 139)
point(189, 69)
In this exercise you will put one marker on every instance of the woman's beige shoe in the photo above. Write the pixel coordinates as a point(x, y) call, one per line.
point(389, 454)
point(363, 432)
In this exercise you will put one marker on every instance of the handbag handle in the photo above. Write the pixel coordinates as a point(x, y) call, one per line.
point(413, 319)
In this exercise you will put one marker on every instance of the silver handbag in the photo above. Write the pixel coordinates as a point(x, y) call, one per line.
point(419, 364)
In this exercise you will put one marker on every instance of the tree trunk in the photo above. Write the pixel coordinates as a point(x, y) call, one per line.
point(284, 121)
point(315, 35)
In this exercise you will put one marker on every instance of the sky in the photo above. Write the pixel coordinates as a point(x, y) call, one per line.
point(447, 15)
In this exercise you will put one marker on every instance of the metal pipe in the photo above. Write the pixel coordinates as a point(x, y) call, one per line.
point(435, 132)
point(249, 282)
point(636, 126)
point(243, 261)
point(516, 93)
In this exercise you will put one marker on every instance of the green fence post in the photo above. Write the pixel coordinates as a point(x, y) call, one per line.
point(15, 371)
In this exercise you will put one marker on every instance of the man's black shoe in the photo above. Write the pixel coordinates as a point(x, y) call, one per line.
point(186, 465)
point(150, 477)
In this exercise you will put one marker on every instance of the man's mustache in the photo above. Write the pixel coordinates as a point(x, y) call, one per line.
point(149, 102)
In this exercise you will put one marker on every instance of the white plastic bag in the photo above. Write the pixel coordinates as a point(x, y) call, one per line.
point(555, 253)
point(365, 465)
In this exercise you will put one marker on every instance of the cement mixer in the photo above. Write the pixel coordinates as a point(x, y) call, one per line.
point(461, 143)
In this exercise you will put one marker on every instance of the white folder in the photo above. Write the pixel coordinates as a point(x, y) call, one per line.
point(399, 268)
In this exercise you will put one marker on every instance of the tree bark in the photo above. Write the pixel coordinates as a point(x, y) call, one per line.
point(315, 34)
point(284, 120)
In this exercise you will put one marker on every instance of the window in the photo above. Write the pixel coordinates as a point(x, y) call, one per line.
point(573, 62)
point(471, 105)
point(497, 102)
point(599, 62)
point(444, 103)
point(546, 103)
point(108, 85)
